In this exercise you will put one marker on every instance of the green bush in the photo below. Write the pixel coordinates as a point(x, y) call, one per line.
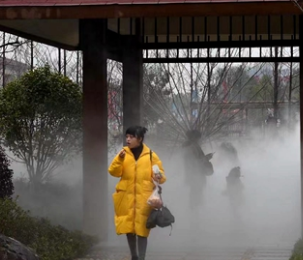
point(297, 253)
point(49, 242)
point(6, 175)
point(296, 257)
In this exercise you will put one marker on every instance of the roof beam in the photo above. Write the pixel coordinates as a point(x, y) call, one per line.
point(221, 59)
point(37, 38)
point(149, 10)
point(220, 44)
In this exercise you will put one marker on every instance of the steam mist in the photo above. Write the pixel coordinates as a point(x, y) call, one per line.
point(270, 215)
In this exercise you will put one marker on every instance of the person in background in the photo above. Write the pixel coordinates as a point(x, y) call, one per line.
point(197, 167)
point(133, 165)
point(234, 191)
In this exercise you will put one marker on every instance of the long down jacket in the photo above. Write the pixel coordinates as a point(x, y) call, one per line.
point(133, 190)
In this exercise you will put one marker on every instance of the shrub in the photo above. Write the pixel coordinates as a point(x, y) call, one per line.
point(49, 242)
point(297, 253)
point(296, 257)
point(6, 175)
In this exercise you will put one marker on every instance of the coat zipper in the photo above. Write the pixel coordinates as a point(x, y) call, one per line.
point(135, 195)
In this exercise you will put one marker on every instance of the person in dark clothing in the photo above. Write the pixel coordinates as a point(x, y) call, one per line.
point(197, 166)
point(234, 190)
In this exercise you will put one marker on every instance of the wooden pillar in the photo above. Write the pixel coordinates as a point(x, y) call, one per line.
point(301, 112)
point(132, 80)
point(95, 191)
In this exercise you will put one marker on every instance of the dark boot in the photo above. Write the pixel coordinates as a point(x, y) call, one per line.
point(135, 258)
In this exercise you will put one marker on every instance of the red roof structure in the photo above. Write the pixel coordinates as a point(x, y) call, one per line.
point(40, 19)
point(31, 3)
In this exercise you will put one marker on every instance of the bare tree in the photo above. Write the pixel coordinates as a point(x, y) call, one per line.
point(203, 97)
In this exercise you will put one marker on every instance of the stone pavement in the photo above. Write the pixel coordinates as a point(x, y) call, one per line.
point(266, 253)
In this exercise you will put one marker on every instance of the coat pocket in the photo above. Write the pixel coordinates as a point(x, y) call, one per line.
point(120, 199)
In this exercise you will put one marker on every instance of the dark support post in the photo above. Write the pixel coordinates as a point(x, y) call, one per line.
point(93, 40)
point(133, 79)
point(301, 112)
point(59, 60)
point(290, 96)
point(208, 96)
point(3, 60)
point(276, 84)
point(32, 55)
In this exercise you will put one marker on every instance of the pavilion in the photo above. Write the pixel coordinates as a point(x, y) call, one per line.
point(124, 30)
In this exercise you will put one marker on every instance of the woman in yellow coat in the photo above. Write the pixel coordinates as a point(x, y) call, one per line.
point(133, 165)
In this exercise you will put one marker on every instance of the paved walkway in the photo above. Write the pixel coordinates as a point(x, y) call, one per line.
point(203, 254)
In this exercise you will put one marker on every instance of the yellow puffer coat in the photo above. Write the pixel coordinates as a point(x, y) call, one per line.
point(133, 190)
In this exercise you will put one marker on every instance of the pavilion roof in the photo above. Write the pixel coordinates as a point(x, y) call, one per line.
point(52, 3)
point(39, 20)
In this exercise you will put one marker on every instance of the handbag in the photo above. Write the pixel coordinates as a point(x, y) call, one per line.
point(161, 217)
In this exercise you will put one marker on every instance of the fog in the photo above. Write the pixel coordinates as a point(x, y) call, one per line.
point(270, 215)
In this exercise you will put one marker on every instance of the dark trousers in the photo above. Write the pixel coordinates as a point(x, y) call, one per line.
point(142, 245)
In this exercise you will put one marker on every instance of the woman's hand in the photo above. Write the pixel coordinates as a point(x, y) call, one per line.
point(157, 177)
point(122, 153)
point(156, 173)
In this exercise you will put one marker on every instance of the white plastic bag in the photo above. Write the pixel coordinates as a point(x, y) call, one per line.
point(155, 199)
point(156, 171)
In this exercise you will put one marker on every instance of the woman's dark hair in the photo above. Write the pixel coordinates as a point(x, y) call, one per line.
point(137, 131)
